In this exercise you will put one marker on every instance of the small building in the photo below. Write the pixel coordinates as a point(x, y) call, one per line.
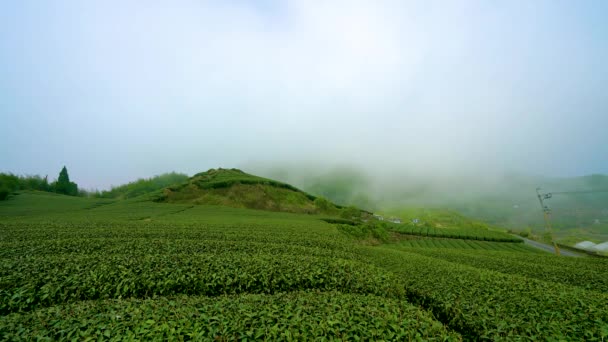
point(379, 217)
point(395, 220)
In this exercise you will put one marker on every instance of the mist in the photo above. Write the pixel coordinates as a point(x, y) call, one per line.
point(449, 95)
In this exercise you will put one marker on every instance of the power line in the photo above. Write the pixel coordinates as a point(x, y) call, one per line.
point(547, 215)
point(578, 192)
point(547, 211)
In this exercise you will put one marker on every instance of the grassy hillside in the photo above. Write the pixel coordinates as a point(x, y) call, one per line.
point(508, 201)
point(78, 268)
point(235, 188)
point(445, 223)
point(32, 204)
point(436, 218)
point(144, 186)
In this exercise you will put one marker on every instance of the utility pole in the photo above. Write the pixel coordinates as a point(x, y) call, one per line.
point(547, 216)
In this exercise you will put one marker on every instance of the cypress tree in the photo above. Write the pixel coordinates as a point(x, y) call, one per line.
point(64, 186)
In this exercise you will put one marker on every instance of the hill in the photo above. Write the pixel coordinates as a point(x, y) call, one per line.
point(144, 186)
point(579, 205)
point(235, 188)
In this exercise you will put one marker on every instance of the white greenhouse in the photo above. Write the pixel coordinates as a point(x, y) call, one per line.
point(587, 245)
point(602, 247)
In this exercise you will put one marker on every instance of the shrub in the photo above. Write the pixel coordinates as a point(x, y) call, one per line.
point(4, 192)
point(323, 204)
point(350, 212)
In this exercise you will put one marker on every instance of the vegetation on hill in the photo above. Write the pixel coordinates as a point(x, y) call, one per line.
point(374, 231)
point(224, 178)
point(64, 185)
point(10, 183)
point(436, 218)
point(235, 188)
point(144, 186)
point(508, 201)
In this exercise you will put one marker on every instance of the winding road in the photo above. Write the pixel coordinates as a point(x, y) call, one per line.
point(549, 248)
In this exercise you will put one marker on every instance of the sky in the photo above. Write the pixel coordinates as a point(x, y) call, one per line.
point(117, 90)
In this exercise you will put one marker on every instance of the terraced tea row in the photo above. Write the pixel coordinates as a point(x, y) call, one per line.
point(229, 274)
point(456, 233)
point(484, 304)
point(461, 244)
point(588, 273)
point(296, 316)
point(28, 283)
point(146, 246)
point(312, 233)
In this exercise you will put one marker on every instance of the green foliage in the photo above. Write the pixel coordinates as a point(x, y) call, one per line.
point(91, 269)
point(438, 218)
point(586, 273)
point(446, 223)
point(300, 315)
point(235, 188)
point(4, 192)
point(366, 231)
point(10, 183)
point(44, 206)
point(488, 305)
point(454, 233)
point(463, 244)
point(224, 178)
point(63, 185)
point(323, 204)
point(144, 186)
point(254, 196)
point(350, 213)
point(339, 221)
point(102, 276)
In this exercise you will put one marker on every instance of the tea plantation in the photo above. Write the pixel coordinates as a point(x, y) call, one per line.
point(101, 269)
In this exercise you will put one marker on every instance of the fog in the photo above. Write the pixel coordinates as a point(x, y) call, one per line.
point(420, 92)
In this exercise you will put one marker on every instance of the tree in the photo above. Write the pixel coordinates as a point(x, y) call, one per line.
point(8, 184)
point(63, 184)
point(323, 204)
point(4, 192)
point(350, 213)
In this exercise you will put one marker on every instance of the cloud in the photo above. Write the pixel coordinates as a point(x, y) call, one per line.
point(121, 89)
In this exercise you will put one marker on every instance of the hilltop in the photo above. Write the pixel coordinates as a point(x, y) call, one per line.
point(235, 188)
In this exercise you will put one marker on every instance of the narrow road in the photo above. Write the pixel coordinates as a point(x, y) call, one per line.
point(549, 248)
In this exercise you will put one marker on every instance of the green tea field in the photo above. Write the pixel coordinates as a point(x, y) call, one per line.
point(270, 170)
point(102, 269)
